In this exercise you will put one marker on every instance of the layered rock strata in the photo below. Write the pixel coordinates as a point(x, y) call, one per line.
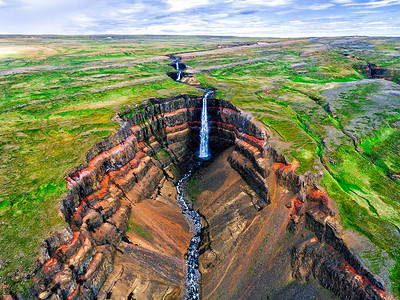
point(245, 251)
point(155, 143)
point(123, 178)
point(296, 236)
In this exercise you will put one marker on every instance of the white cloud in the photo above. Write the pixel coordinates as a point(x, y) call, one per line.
point(135, 9)
point(320, 6)
point(82, 20)
point(40, 3)
point(271, 3)
point(376, 4)
point(366, 12)
point(296, 22)
point(285, 12)
point(279, 18)
point(181, 5)
point(342, 1)
point(322, 18)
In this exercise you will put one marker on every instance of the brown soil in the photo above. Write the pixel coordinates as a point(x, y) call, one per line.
point(246, 253)
point(150, 262)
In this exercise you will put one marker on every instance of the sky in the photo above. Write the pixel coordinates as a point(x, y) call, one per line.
point(255, 18)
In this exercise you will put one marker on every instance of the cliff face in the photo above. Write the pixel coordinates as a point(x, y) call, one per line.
point(127, 237)
point(256, 243)
point(373, 71)
point(246, 251)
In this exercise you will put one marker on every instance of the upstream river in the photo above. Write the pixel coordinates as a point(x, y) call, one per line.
point(193, 276)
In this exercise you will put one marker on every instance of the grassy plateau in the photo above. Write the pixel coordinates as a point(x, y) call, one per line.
point(58, 96)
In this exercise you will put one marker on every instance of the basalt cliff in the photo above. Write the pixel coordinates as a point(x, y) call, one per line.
point(265, 228)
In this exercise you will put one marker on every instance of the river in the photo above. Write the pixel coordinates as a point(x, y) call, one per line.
point(193, 276)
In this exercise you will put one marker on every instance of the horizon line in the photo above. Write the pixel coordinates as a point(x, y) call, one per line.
point(188, 35)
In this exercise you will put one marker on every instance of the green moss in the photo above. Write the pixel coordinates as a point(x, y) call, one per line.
point(382, 148)
point(141, 232)
point(51, 118)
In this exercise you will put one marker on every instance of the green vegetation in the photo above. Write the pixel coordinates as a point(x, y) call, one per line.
point(327, 118)
point(58, 97)
point(140, 231)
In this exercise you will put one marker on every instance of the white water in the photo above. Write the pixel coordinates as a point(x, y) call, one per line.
point(204, 152)
point(179, 75)
point(178, 68)
point(193, 275)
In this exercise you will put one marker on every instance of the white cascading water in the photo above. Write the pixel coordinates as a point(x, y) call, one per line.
point(204, 152)
point(193, 276)
point(178, 68)
point(178, 77)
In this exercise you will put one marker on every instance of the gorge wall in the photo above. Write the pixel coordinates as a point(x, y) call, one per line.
point(122, 218)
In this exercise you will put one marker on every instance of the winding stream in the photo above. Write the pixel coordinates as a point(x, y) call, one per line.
point(178, 68)
point(193, 276)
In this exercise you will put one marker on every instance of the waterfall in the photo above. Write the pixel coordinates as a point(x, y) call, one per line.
point(204, 152)
point(178, 65)
point(178, 77)
point(193, 276)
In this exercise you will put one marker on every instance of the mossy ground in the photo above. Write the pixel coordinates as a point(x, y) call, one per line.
point(58, 95)
point(51, 118)
point(353, 138)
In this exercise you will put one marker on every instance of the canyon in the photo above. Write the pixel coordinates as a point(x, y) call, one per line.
point(265, 228)
point(325, 123)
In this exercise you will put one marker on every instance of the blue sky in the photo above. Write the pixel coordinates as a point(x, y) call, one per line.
point(274, 18)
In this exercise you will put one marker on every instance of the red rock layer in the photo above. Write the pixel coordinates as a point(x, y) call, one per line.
point(157, 141)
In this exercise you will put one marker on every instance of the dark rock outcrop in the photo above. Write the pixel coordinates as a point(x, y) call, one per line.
point(297, 204)
point(320, 260)
point(158, 141)
point(374, 71)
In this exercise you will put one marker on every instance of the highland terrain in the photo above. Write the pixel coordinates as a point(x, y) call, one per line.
point(330, 108)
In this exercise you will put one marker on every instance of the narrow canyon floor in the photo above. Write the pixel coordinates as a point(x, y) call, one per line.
point(245, 252)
